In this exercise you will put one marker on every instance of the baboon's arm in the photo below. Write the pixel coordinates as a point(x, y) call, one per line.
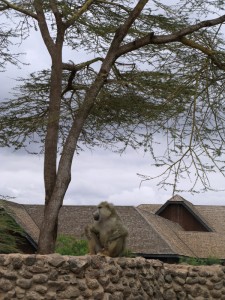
point(119, 232)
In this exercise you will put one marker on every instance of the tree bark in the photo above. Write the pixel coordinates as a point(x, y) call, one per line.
point(48, 231)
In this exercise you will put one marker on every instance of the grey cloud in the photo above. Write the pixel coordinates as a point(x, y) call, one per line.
point(96, 177)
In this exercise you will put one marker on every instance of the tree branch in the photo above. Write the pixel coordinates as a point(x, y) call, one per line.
point(120, 33)
point(164, 39)
point(114, 4)
point(72, 67)
point(80, 12)
point(18, 8)
point(59, 22)
point(209, 52)
point(123, 29)
point(197, 46)
point(44, 27)
point(69, 83)
point(56, 13)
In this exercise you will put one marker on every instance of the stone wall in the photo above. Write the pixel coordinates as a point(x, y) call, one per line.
point(34, 277)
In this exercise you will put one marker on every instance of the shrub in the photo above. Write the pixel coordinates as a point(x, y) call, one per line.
point(211, 260)
point(69, 245)
point(195, 261)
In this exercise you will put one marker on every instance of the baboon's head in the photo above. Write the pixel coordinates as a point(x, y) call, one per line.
point(104, 211)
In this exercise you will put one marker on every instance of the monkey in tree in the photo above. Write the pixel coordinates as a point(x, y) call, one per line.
point(106, 235)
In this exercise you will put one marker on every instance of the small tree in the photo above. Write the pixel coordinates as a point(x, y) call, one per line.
point(109, 93)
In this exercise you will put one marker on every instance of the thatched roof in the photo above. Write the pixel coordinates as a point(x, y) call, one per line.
point(204, 244)
point(214, 215)
point(186, 243)
point(22, 218)
point(193, 243)
point(149, 234)
point(73, 219)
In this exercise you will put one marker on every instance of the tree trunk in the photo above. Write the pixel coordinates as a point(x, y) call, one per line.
point(48, 231)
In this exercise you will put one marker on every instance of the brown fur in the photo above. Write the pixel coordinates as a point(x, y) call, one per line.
point(106, 235)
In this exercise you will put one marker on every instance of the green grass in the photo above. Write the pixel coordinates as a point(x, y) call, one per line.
point(69, 245)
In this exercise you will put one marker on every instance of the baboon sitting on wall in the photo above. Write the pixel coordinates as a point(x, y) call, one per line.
point(106, 235)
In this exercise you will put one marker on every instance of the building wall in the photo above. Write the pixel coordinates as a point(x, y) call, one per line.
point(179, 214)
point(34, 277)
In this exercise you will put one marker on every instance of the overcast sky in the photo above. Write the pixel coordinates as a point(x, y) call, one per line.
point(96, 176)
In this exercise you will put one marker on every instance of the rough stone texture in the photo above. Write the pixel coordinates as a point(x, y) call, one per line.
point(55, 277)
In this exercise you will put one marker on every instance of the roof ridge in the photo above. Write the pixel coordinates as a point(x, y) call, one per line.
point(177, 198)
point(153, 227)
point(174, 232)
point(24, 206)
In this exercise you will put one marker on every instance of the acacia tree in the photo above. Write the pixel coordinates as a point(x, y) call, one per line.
point(121, 33)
